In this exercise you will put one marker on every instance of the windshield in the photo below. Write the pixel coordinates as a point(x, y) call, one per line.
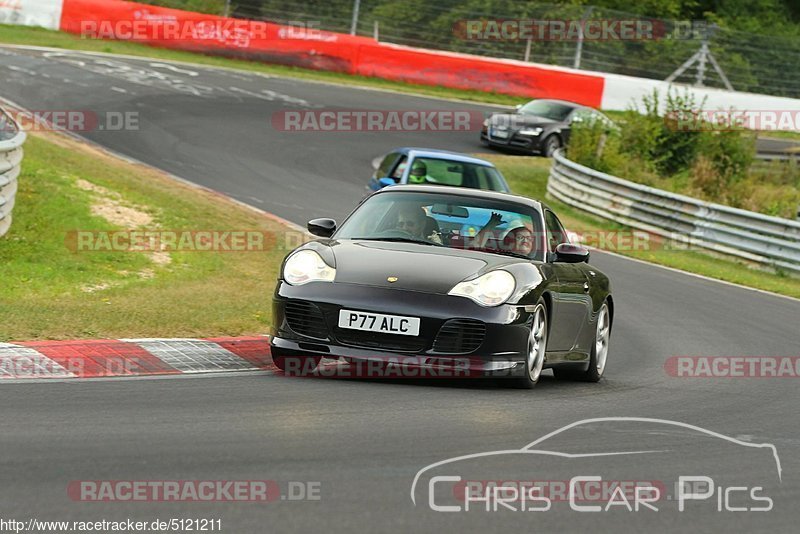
point(453, 221)
point(455, 173)
point(548, 109)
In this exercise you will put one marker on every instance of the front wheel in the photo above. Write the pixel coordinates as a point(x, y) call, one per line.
point(537, 347)
point(551, 144)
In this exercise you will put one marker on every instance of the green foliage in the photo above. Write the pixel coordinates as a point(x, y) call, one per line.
point(211, 7)
point(686, 154)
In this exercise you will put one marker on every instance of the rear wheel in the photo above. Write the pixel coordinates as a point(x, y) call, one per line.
point(296, 365)
point(537, 347)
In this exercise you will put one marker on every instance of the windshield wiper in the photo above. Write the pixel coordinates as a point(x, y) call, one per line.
point(398, 240)
point(502, 252)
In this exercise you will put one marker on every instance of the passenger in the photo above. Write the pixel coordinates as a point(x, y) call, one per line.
point(519, 240)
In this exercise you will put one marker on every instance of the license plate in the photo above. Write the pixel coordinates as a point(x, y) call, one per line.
point(502, 134)
point(378, 322)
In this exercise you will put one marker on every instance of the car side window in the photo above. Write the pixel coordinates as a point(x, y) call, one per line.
point(582, 115)
point(555, 231)
point(385, 166)
point(398, 171)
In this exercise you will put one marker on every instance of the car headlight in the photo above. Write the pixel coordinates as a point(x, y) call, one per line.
point(530, 131)
point(307, 266)
point(491, 289)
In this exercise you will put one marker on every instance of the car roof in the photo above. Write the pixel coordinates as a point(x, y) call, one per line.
point(439, 154)
point(559, 101)
point(464, 192)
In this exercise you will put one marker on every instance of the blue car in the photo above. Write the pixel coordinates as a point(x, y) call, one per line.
point(435, 167)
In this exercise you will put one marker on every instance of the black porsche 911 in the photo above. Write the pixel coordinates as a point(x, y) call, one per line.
point(441, 276)
point(539, 127)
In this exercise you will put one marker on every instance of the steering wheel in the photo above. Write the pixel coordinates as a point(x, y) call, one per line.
point(396, 232)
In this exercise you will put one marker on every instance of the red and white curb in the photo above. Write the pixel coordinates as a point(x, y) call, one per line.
point(132, 357)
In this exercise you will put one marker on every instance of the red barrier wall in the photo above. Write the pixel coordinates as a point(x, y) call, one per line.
point(183, 30)
point(329, 51)
point(461, 71)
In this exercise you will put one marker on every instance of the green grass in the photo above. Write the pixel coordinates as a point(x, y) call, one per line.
point(22, 35)
point(528, 176)
point(46, 294)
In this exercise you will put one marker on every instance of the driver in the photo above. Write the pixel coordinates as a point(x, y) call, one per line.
point(413, 220)
point(419, 173)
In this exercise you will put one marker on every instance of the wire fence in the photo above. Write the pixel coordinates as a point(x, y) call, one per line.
point(752, 63)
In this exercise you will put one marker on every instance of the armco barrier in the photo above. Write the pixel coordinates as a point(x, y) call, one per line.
point(11, 140)
point(770, 241)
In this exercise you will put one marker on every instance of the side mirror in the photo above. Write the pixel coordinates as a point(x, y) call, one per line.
point(386, 182)
point(322, 227)
point(518, 107)
point(568, 253)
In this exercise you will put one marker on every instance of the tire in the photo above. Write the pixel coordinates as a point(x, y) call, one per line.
point(537, 348)
point(296, 365)
point(599, 354)
point(550, 145)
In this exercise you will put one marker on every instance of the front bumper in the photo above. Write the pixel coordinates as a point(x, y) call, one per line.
point(515, 141)
point(500, 350)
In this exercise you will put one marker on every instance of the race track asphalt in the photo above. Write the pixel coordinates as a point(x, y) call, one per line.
point(364, 441)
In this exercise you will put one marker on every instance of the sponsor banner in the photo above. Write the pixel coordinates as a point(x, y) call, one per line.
point(304, 45)
point(44, 13)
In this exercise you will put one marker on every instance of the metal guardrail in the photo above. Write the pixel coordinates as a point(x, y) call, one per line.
point(11, 141)
point(777, 156)
point(770, 241)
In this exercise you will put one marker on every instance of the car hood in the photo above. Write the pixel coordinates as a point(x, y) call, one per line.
point(425, 268)
point(516, 121)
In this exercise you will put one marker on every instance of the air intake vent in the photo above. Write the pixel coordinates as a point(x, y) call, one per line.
point(306, 319)
point(459, 336)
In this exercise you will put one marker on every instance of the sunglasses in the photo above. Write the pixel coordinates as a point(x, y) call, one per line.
point(406, 224)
